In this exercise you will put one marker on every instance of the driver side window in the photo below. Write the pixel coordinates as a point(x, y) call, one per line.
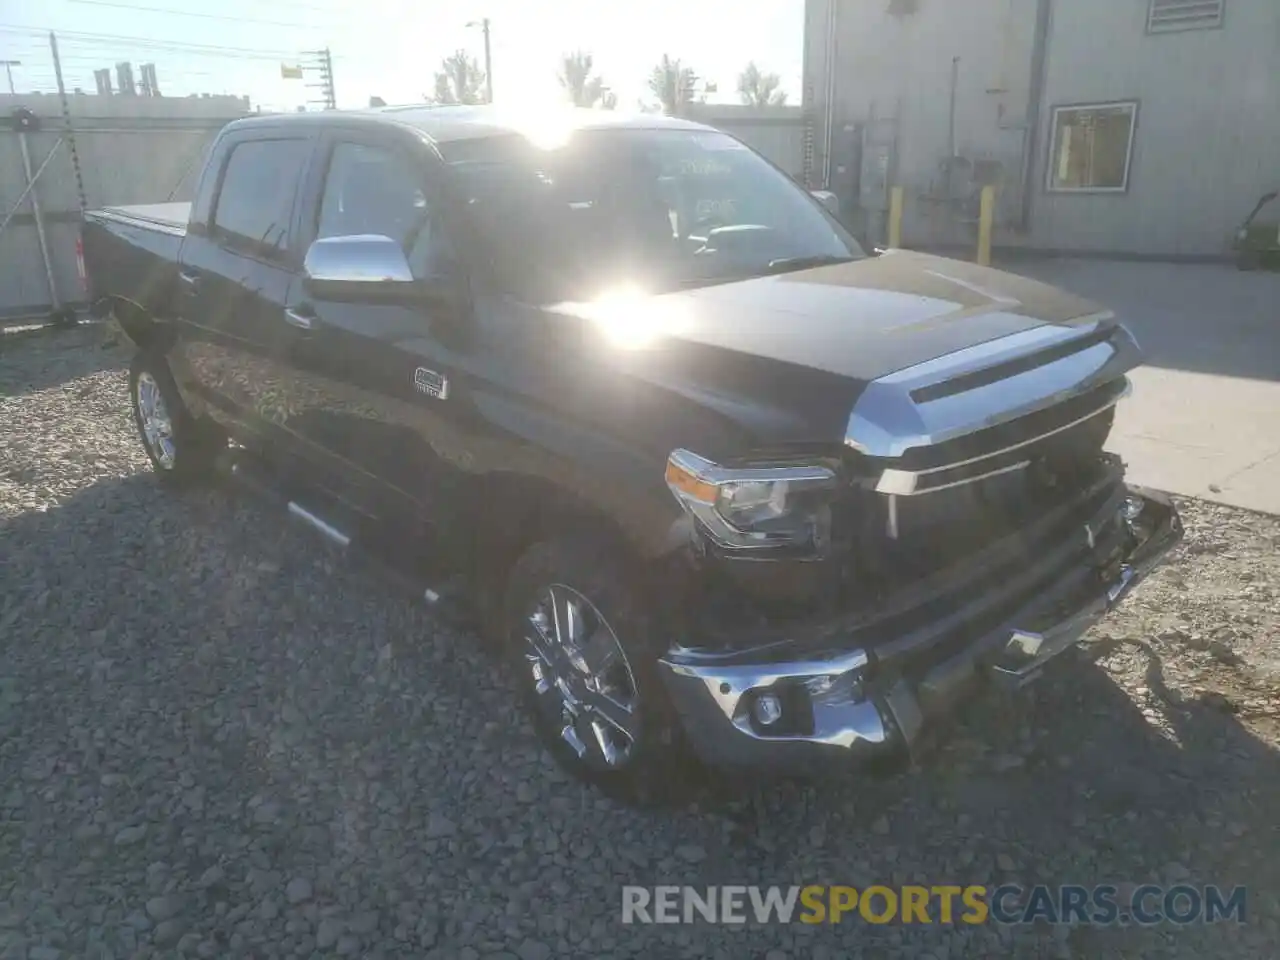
point(374, 190)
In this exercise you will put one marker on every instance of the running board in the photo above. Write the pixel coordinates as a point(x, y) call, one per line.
point(327, 530)
point(445, 596)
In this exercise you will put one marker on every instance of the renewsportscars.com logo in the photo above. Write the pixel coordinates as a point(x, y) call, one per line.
point(1103, 904)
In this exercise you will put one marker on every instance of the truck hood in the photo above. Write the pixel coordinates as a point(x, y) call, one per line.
point(871, 317)
point(794, 352)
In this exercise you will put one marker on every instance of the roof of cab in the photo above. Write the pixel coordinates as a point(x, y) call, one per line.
point(445, 123)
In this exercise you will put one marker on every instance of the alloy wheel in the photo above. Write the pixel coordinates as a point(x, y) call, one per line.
point(157, 426)
point(582, 678)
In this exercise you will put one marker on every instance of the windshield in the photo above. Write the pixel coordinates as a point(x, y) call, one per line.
point(655, 209)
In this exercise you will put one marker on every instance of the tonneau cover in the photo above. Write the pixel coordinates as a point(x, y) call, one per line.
point(171, 217)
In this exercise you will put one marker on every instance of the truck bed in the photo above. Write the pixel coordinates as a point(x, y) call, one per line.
point(131, 256)
point(169, 217)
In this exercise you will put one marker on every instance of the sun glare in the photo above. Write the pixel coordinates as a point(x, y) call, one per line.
point(633, 319)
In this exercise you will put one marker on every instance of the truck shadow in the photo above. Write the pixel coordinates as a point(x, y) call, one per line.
point(1072, 781)
point(217, 608)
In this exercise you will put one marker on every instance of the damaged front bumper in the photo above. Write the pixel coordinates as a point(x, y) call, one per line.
point(857, 700)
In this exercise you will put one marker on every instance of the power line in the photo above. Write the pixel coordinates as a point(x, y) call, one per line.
point(176, 46)
point(201, 16)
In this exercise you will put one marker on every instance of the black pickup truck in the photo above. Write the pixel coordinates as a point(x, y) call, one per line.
point(706, 472)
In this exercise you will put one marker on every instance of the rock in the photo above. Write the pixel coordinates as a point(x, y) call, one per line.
point(525, 792)
point(691, 853)
point(880, 826)
point(1006, 762)
point(211, 877)
point(440, 826)
point(533, 950)
point(162, 908)
point(1176, 872)
point(44, 953)
point(1005, 862)
point(168, 932)
point(364, 923)
point(348, 945)
point(328, 932)
point(1223, 653)
point(128, 836)
point(298, 891)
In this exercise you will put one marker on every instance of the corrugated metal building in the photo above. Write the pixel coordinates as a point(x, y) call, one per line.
point(1139, 127)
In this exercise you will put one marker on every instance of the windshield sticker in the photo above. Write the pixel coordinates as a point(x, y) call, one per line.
point(702, 167)
point(717, 141)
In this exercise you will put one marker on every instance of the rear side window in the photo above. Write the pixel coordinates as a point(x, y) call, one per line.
point(256, 199)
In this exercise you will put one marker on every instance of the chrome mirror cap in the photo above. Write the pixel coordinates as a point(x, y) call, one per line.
point(364, 258)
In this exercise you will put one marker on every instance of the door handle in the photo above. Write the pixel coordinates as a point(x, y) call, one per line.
point(300, 320)
point(191, 280)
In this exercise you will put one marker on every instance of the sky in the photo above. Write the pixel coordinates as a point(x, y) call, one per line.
point(392, 48)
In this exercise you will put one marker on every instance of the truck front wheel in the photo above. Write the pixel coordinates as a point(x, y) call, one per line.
point(583, 650)
point(180, 449)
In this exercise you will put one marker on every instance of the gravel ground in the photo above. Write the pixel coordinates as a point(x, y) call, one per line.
point(219, 740)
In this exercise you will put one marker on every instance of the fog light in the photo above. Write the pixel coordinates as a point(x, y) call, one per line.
point(1132, 509)
point(767, 709)
point(820, 685)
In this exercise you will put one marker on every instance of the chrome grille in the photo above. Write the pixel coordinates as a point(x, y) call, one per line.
point(1060, 433)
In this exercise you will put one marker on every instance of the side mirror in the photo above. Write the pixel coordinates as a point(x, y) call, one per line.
point(366, 267)
point(828, 200)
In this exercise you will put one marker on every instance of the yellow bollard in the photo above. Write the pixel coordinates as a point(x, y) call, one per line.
point(985, 216)
point(895, 218)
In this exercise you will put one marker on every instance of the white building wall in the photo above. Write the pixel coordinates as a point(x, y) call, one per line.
point(1208, 131)
point(1207, 142)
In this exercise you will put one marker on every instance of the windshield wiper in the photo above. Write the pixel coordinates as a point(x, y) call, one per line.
point(787, 264)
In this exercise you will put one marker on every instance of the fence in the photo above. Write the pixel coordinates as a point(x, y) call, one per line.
point(63, 150)
point(102, 135)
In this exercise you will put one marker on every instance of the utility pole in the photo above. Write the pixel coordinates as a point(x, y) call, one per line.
point(323, 65)
point(8, 69)
point(488, 64)
point(81, 197)
point(488, 58)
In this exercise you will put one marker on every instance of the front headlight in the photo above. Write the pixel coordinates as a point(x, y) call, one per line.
point(755, 507)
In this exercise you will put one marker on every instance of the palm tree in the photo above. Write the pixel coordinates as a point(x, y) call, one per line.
point(583, 88)
point(758, 89)
point(459, 80)
point(674, 84)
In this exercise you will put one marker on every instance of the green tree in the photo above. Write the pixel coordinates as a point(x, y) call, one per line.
point(675, 85)
point(459, 80)
point(582, 85)
point(757, 89)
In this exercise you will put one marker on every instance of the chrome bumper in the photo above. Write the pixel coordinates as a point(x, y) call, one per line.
point(843, 708)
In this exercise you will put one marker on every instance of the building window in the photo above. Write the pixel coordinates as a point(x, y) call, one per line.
point(1166, 16)
point(1091, 147)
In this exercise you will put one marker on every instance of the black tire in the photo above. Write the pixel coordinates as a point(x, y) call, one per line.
point(194, 445)
point(594, 571)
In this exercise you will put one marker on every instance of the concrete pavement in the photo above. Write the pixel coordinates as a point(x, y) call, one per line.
point(1204, 417)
